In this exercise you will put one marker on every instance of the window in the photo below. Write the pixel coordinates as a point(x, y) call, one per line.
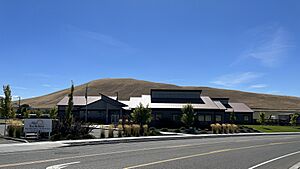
point(218, 118)
point(208, 118)
point(175, 117)
point(201, 118)
point(246, 118)
point(114, 118)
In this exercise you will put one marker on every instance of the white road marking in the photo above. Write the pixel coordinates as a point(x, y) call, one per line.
point(60, 166)
point(274, 159)
point(207, 153)
point(296, 166)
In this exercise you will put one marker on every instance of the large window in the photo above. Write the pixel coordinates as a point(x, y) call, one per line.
point(208, 118)
point(246, 118)
point(176, 117)
point(201, 118)
point(218, 118)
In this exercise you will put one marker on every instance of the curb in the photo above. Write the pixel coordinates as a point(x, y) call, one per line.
point(14, 139)
point(70, 143)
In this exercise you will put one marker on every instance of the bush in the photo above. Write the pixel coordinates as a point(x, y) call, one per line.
point(110, 132)
point(146, 132)
point(136, 130)
point(18, 131)
point(127, 130)
point(102, 134)
point(177, 131)
point(182, 128)
point(88, 136)
point(55, 137)
point(120, 128)
point(11, 131)
point(165, 129)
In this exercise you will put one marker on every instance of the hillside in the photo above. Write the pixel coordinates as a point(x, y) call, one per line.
point(132, 87)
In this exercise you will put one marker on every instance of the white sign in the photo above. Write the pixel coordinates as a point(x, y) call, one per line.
point(37, 125)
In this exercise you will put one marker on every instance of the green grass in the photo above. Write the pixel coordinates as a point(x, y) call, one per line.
point(269, 129)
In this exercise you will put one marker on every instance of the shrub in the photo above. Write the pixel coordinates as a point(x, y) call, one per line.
point(177, 131)
point(18, 131)
point(146, 131)
point(136, 130)
point(152, 128)
point(165, 129)
point(88, 136)
point(120, 128)
point(11, 131)
point(234, 128)
point(110, 131)
point(213, 128)
point(218, 128)
point(127, 129)
point(224, 128)
point(55, 137)
point(182, 128)
point(102, 134)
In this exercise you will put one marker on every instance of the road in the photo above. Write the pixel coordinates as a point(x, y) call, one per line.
point(262, 152)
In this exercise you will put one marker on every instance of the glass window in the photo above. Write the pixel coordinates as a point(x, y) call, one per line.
point(246, 118)
point(175, 117)
point(218, 118)
point(201, 118)
point(208, 118)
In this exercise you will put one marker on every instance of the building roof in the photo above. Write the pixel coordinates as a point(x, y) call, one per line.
point(81, 101)
point(239, 107)
point(146, 100)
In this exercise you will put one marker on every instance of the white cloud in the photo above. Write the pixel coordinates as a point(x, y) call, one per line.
point(268, 44)
point(231, 80)
point(258, 86)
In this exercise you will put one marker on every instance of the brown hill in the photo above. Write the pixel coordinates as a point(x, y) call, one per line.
point(132, 87)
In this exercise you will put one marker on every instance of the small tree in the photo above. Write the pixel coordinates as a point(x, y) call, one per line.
point(188, 115)
point(141, 115)
point(262, 116)
point(6, 104)
point(293, 120)
point(69, 110)
point(53, 113)
point(38, 113)
point(26, 114)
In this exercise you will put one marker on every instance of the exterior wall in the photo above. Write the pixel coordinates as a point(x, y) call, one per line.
point(172, 117)
point(241, 118)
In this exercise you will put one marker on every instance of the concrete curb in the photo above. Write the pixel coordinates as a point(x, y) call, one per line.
point(163, 138)
point(14, 139)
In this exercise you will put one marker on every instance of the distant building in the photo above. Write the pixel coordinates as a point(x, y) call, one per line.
point(166, 108)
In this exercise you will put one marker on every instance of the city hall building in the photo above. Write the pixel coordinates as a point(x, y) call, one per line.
point(166, 105)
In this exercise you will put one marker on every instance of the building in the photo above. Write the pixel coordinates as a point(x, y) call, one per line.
point(166, 108)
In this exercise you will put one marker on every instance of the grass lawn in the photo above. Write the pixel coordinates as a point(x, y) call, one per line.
point(275, 128)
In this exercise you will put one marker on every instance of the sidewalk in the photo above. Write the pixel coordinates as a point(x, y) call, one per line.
point(7, 148)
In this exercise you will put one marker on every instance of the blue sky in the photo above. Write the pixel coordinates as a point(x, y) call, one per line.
point(244, 45)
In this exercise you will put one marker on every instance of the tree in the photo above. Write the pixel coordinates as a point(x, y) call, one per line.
point(38, 113)
point(141, 115)
point(53, 113)
point(6, 104)
point(232, 117)
point(1, 107)
point(26, 114)
point(262, 116)
point(188, 115)
point(69, 109)
point(293, 120)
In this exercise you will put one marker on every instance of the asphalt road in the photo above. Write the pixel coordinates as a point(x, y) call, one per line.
point(268, 152)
